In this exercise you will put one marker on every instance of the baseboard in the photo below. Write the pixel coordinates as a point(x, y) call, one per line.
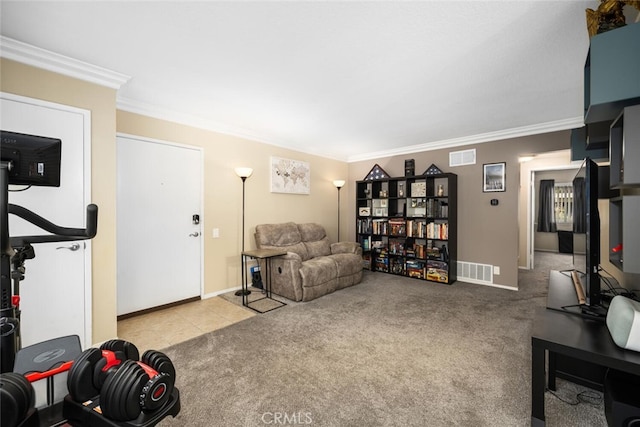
point(493, 285)
point(218, 293)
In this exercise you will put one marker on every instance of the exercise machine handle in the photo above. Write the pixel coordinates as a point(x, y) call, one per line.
point(59, 234)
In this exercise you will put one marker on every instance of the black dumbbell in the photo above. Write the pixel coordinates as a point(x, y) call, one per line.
point(138, 386)
point(17, 397)
point(129, 349)
point(90, 370)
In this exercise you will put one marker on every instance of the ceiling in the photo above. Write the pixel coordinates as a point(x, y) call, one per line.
point(349, 80)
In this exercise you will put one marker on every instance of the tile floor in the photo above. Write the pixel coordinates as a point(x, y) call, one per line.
point(162, 328)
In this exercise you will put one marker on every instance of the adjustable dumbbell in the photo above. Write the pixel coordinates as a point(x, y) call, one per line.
point(90, 370)
point(17, 397)
point(138, 386)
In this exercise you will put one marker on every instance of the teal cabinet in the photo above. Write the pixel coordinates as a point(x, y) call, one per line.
point(624, 155)
point(612, 74)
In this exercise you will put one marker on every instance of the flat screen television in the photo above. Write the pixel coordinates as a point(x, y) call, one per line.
point(586, 231)
point(35, 160)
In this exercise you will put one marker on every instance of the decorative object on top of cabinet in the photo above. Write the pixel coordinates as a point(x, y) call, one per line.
point(376, 173)
point(494, 177)
point(608, 16)
point(409, 167)
point(432, 170)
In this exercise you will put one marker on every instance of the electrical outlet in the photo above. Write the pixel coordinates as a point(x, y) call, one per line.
point(496, 270)
point(216, 233)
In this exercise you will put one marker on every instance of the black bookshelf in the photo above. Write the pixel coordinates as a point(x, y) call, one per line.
point(408, 226)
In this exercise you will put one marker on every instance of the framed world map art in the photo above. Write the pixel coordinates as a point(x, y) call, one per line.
point(290, 176)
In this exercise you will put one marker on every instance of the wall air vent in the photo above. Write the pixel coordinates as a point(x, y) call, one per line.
point(472, 272)
point(462, 158)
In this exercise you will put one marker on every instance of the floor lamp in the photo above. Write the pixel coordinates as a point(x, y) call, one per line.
point(339, 183)
point(243, 173)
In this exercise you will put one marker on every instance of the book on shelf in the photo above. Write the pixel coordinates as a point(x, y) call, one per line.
point(380, 226)
point(415, 269)
point(365, 243)
point(438, 231)
point(377, 244)
point(437, 208)
point(396, 266)
point(418, 250)
point(437, 271)
point(364, 226)
point(396, 247)
point(382, 262)
point(433, 252)
point(397, 227)
point(416, 228)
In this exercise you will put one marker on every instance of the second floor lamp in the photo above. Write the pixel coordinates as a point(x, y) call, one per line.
point(243, 173)
point(339, 183)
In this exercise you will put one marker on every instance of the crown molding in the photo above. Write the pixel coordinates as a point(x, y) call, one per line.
point(149, 110)
point(47, 60)
point(558, 125)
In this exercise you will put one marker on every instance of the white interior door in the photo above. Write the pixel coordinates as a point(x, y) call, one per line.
point(56, 292)
point(158, 241)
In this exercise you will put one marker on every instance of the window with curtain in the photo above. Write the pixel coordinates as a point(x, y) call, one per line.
point(546, 208)
point(563, 203)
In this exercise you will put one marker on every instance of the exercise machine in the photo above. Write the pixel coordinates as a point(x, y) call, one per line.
point(33, 161)
point(132, 392)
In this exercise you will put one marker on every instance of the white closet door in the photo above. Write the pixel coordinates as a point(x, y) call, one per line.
point(56, 292)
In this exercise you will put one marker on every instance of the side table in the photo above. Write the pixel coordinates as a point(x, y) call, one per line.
point(267, 255)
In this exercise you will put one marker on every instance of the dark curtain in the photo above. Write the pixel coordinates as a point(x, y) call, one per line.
point(546, 217)
point(579, 206)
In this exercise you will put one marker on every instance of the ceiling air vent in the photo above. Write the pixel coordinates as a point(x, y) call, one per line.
point(461, 158)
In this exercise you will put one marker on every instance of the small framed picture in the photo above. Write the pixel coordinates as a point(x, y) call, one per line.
point(494, 177)
point(366, 211)
point(418, 189)
point(383, 203)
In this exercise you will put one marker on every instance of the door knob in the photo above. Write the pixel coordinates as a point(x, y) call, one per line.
point(196, 234)
point(73, 247)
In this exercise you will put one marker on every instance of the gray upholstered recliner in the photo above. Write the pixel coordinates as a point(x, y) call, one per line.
point(312, 266)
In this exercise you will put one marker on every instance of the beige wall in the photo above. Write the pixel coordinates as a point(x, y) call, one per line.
point(20, 79)
point(223, 192)
point(486, 234)
point(222, 188)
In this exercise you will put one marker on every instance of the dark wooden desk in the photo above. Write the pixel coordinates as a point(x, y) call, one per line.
point(573, 336)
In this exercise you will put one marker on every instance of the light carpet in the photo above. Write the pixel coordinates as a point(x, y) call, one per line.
point(390, 351)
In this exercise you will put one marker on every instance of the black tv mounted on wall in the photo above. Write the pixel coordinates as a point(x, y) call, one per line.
point(35, 160)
